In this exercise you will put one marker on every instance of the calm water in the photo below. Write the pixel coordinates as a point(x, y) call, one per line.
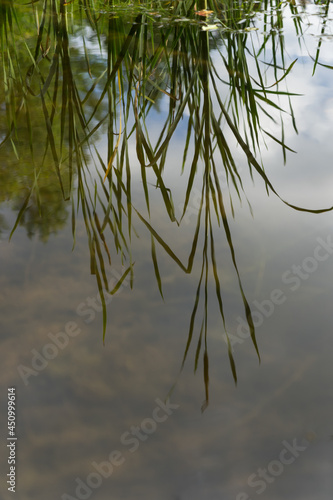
point(122, 420)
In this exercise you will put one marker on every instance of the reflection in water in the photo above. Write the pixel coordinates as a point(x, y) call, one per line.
point(67, 98)
point(75, 96)
point(100, 115)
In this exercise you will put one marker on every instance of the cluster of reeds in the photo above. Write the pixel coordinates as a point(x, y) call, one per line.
point(158, 50)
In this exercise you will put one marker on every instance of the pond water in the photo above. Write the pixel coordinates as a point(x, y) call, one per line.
point(189, 395)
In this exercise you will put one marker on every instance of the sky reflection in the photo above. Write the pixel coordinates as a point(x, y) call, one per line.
point(75, 411)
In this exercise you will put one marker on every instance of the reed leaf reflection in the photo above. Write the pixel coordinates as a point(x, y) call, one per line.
point(63, 92)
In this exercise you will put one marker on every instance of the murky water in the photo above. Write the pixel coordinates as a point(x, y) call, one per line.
point(155, 412)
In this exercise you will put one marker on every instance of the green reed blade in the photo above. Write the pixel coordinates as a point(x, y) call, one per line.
point(155, 263)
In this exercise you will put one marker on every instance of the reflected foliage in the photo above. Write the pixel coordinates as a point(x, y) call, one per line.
point(73, 72)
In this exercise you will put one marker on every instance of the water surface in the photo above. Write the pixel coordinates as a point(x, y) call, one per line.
point(269, 435)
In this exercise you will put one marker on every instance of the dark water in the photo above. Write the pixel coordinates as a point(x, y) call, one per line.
point(122, 420)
